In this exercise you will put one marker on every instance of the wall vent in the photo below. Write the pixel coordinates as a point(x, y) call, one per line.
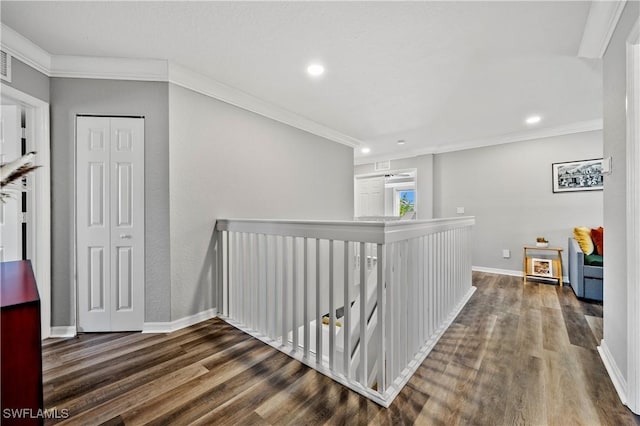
point(383, 165)
point(5, 66)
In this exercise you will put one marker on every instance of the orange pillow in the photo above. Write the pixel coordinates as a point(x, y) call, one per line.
point(582, 235)
point(597, 235)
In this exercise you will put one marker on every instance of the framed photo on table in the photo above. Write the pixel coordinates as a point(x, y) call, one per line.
point(585, 175)
point(542, 267)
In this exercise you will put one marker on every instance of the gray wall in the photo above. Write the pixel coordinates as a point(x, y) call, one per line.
point(81, 96)
point(508, 188)
point(226, 162)
point(424, 165)
point(615, 201)
point(28, 80)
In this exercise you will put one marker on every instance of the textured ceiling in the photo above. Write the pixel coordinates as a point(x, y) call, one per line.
point(437, 74)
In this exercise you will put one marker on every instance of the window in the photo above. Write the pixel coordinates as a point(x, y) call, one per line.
point(405, 202)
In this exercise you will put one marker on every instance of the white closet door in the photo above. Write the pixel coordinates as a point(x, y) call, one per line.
point(10, 223)
point(370, 196)
point(110, 223)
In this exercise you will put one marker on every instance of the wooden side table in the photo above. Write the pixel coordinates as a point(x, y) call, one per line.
point(542, 263)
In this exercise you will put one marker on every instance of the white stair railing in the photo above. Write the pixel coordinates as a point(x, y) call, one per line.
point(299, 286)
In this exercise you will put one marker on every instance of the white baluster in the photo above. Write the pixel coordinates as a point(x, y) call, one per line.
point(381, 318)
point(318, 307)
point(294, 293)
point(388, 312)
point(332, 313)
point(285, 290)
point(306, 295)
point(363, 316)
point(346, 320)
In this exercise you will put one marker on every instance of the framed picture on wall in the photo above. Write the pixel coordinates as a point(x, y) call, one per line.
point(585, 175)
point(542, 267)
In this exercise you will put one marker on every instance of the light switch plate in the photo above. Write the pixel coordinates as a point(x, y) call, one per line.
point(460, 210)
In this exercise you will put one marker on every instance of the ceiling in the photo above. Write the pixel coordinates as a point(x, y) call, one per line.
point(440, 75)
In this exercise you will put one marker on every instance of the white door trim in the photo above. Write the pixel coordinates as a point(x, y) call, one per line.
point(633, 218)
point(39, 242)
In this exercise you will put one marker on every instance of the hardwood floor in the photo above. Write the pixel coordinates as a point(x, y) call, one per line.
point(515, 355)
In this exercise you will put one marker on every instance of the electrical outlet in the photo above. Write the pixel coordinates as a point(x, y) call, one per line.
point(460, 210)
point(506, 253)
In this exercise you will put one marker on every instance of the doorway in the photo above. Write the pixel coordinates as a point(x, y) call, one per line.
point(35, 236)
point(386, 195)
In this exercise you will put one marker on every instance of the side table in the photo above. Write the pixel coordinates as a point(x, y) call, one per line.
point(542, 263)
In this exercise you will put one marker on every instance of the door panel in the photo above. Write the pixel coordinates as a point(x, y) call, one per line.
point(96, 194)
point(111, 280)
point(96, 279)
point(127, 227)
point(125, 202)
point(124, 285)
point(93, 246)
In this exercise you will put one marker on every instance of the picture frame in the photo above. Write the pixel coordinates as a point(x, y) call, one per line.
point(583, 175)
point(542, 267)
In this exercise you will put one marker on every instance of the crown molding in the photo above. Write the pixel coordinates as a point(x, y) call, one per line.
point(567, 129)
point(191, 80)
point(601, 22)
point(526, 135)
point(157, 70)
point(25, 50)
point(108, 68)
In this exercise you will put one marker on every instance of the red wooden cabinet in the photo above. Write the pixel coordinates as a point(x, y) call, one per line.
point(21, 346)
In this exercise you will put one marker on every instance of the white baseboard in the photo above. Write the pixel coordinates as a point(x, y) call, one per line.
point(59, 332)
point(615, 374)
point(510, 272)
point(497, 271)
point(169, 327)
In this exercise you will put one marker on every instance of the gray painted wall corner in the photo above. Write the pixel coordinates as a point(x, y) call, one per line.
point(110, 97)
point(226, 162)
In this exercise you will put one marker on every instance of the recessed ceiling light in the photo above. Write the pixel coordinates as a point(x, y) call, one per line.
point(533, 119)
point(315, 70)
point(365, 150)
point(401, 142)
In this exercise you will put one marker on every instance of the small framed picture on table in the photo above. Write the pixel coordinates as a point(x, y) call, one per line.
point(542, 267)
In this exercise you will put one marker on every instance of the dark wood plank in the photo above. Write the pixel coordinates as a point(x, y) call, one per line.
point(516, 354)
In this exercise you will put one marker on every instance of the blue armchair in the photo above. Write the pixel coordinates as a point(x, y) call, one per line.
point(585, 272)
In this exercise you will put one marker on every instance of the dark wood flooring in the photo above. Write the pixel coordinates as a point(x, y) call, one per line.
point(515, 355)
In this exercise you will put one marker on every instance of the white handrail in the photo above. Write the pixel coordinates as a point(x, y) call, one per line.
point(360, 301)
point(378, 232)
